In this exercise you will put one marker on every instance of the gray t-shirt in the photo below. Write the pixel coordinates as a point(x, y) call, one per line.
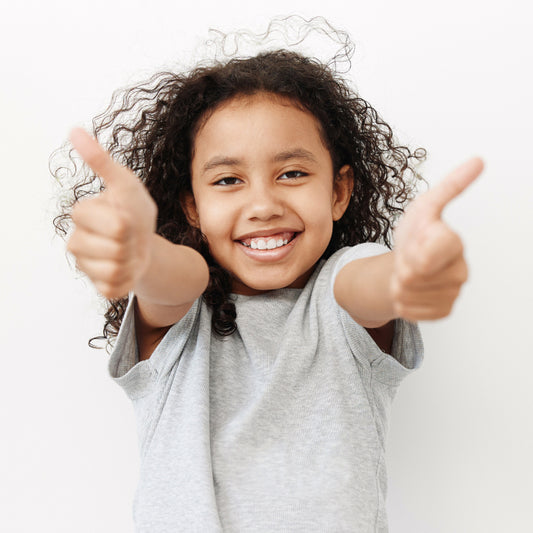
point(279, 427)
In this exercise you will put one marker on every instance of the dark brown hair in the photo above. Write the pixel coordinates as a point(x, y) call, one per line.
point(151, 129)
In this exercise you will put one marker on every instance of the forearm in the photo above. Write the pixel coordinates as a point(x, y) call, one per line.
point(362, 288)
point(175, 277)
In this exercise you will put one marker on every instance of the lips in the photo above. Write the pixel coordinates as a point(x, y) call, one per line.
point(267, 232)
point(265, 249)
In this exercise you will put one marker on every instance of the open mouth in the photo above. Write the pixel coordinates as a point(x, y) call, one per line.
point(271, 242)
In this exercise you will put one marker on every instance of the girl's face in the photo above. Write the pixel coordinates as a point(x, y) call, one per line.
point(264, 194)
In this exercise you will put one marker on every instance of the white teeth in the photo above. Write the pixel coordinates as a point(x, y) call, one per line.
point(271, 244)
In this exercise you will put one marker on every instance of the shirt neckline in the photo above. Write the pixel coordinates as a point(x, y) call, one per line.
point(285, 291)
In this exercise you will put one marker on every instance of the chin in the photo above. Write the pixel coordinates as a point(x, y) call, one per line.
point(257, 286)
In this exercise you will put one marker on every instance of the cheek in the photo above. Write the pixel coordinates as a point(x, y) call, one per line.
point(321, 217)
point(214, 219)
point(326, 229)
point(318, 205)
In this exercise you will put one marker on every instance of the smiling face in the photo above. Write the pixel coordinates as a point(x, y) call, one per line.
point(264, 193)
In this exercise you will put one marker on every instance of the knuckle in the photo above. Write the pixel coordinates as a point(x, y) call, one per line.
point(458, 243)
point(74, 243)
point(403, 276)
point(83, 211)
point(76, 214)
point(403, 310)
point(119, 254)
point(115, 274)
point(445, 311)
point(454, 237)
point(71, 246)
point(75, 211)
point(83, 269)
point(105, 289)
point(78, 266)
point(121, 227)
point(395, 290)
point(436, 314)
point(401, 298)
point(406, 275)
point(463, 275)
point(112, 292)
point(409, 277)
point(399, 309)
point(423, 264)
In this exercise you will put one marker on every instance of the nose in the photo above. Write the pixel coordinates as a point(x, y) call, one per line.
point(264, 202)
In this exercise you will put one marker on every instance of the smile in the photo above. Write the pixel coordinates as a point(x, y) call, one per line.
point(269, 248)
point(270, 242)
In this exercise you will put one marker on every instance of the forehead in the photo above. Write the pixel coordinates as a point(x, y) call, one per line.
point(263, 121)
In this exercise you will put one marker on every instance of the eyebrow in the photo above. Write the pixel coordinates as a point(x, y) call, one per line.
point(297, 153)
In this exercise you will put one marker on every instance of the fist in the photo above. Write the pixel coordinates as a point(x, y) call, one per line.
point(429, 266)
point(113, 235)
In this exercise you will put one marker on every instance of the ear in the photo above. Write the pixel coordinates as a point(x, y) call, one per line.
point(342, 191)
point(188, 205)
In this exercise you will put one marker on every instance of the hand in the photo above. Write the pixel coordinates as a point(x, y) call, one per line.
point(429, 266)
point(112, 239)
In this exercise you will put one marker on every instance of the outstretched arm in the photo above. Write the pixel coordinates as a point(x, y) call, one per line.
point(115, 244)
point(421, 278)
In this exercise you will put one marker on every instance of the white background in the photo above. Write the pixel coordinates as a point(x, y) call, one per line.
point(455, 79)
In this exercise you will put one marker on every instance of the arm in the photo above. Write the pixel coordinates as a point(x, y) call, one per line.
point(368, 278)
point(115, 244)
point(421, 278)
point(176, 276)
point(362, 289)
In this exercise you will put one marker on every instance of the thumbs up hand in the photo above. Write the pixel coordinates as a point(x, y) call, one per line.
point(429, 266)
point(113, 237)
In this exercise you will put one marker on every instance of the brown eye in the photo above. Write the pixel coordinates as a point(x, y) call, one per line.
point(292, 174)
point(227, 181)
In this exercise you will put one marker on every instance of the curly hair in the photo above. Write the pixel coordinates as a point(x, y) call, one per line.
point(151, 128)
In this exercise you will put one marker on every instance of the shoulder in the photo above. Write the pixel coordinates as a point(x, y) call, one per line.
point(167, 345)
point(328, 269)
point(350, 253)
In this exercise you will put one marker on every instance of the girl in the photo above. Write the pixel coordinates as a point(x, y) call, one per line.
point(262, 330)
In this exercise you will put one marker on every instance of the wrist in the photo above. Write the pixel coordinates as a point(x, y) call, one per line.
point(174, 274)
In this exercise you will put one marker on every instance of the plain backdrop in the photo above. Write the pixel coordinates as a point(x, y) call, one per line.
point(453, 77)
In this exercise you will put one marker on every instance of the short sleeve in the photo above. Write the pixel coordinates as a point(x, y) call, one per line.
point(124, 367)
point(139, 378)
point(407, 354)
point(407, 347)
point(366, 249)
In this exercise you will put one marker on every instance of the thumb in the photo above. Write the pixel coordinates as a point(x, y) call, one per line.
point(452, 186)
point(99, 159)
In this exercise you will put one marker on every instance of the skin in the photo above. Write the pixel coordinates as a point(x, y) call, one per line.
point(422, 277)
point(115, 244)
point(246, 189)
